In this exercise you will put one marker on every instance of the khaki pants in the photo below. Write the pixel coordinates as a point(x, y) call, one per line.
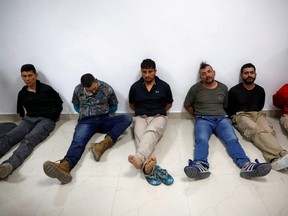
point(148, 131)
point(284, 121)
point(255, 127)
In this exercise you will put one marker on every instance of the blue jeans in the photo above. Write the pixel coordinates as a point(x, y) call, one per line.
point(30, 132)
point(222, 128)
point(112, 126)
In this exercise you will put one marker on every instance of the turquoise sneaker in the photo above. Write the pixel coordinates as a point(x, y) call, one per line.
point(163, 175)
point(153, 178)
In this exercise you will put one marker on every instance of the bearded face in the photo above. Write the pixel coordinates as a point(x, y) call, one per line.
point(249, 80)
point(248, 75)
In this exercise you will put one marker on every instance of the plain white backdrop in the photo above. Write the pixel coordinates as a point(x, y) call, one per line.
point(67, 38)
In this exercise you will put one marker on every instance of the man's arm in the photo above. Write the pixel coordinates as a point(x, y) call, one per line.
point(190, 110)
point(278, 100)
point(132, 106)
point(168, 106)
point(113, 108)
point(281, 96)
point(112, 101)
point(20, 109)
point(76, 107)
point(231, 103)
point(190, 100)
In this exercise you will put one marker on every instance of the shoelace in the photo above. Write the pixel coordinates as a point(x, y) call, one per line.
point(251, 166)
point(161, 172)
point(199, 166)
point(152, 176)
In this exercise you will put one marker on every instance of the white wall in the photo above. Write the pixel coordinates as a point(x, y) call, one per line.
point(65, 39)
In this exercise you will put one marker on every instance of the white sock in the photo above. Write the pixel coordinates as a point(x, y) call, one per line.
point(281, 163)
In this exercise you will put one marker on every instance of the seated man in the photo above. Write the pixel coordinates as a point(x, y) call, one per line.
point(43, 107)
point(246, 101)
point(280, 100)
point(94, 100)
point(150, 98)
point(206, 101)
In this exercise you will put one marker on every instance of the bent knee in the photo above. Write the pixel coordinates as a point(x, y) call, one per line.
point(250, 131)
point(126, 118)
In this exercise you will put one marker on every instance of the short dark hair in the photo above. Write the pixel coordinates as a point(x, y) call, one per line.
point(147, 64)
point(28, 67)
point(87, 80)
point(204, 65)
point(247, 65)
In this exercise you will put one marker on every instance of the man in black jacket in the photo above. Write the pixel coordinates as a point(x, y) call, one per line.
point(40, 106)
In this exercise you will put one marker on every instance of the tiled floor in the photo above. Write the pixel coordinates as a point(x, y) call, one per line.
point(113, 187)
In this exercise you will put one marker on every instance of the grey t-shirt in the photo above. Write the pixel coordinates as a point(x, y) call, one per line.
point(207, 102)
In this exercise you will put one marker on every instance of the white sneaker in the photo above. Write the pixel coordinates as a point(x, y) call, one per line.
point(281, 163)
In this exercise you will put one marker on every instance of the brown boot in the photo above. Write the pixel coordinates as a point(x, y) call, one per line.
point(99, 148)
point(5, 170)
point(61, 170)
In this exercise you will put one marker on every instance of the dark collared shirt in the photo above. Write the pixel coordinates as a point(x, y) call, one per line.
point(151, 102)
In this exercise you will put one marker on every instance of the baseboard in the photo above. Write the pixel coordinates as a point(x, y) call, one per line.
point(172, 115)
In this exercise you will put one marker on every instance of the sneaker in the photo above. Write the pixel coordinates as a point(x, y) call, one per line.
point(5, 170)
point(153, 178)
point(196, 170)
point(163, 175)
point(257, 169)
point(281, 163)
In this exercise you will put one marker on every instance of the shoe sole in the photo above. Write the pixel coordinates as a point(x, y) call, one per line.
point(193, 173)
point(5, 170)
point(261, 171)
point(153, 181)
point(94, 153)
point(54, 172)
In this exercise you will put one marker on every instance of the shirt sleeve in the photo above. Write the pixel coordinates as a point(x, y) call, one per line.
point(231, 103)
point(169, 98)
point(113, 101)
point(281, 96)
point(225, 102)
point(131, 95)
point(20, 108)
point(189, 99)
point(261, 103)
point(75, 98)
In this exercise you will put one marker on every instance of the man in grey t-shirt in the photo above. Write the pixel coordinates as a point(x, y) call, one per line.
point(206, 101)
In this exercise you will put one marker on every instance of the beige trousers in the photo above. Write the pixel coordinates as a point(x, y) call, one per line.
point(284, 121)
point(148, 131)
point(255, 127)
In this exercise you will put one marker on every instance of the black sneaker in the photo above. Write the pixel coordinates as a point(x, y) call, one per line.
point(257, 169)
point(196, 170)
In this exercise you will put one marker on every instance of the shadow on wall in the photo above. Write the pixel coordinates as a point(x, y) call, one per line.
point(43, 79)
point(9, 89)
